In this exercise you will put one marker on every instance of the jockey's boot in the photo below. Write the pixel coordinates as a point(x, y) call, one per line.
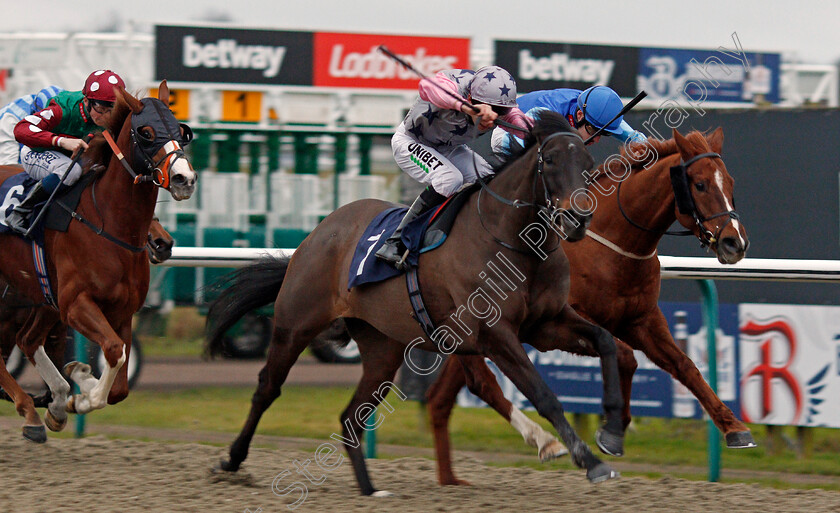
point(393, 250)
point(18, 219)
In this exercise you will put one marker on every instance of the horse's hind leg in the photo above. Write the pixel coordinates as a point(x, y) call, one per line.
point(32, 338)
point(474, 373)
point(381, 357)
point(283, 352)
point(505, 349)
point(33, 428)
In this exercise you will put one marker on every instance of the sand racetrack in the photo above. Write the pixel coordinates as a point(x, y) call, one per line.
point(101, 475)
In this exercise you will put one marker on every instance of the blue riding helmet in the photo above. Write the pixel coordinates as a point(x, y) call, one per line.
point(599, 104)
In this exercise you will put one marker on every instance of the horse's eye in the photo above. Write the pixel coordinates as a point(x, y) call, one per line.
point(146, 135)
point(700, 186)
point(548, 159)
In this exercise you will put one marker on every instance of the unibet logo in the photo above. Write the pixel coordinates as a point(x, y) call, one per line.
point(558, 66)
point(227, 53)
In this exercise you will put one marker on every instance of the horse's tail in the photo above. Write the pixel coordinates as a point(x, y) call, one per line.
point(246, 290)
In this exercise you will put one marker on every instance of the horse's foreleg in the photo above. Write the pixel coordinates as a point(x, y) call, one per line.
point(654, 338)
point(570, 331)
point(86, 318)
point(505, 349)
point(119, 390)
point(440, 399)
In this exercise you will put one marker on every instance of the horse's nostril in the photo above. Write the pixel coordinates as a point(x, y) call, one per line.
point(178, 179)
point(731, 244)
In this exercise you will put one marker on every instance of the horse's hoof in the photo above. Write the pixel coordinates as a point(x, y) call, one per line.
point(553, 449)
point(600, 473)
point(609, 443)
point(224, 466)
point(381, 493)
point(37, 434)
point(82, 367)
point(54, 424)
point(454, 482)
point(740, 440)
point(70, 407)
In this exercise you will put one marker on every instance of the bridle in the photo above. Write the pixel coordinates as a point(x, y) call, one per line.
point(686, 205)
point(549, 208)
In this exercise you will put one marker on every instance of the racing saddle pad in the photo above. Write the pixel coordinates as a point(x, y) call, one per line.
point(425, 233)
point(17, 187)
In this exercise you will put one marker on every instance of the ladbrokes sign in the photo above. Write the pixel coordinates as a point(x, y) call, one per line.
point(352, 60)
point(203, 54)
point(539, 65)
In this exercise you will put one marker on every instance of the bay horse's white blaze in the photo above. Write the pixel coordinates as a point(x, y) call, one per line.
point(535, 436)
point(59, 388)
point(94, 393)
point(735, 223)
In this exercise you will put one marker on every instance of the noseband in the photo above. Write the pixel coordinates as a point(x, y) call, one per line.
point(686, 204)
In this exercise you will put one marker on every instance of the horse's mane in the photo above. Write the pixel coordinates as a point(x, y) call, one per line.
point(99, 152)
point(652, 150)
point(546, 122)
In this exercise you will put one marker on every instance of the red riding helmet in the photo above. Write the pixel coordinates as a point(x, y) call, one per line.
point(100, 85)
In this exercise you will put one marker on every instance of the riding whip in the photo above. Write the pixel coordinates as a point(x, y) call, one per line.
point(449, 93)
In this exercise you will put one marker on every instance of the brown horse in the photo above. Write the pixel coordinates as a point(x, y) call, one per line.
point(15, 309)
point(615, 279)
point(98, 267)
point(311, 291)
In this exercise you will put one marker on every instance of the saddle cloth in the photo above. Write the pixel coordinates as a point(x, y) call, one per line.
point(17, 187)
point(425, 233)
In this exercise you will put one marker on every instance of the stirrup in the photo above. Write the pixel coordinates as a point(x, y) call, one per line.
point(400, 264)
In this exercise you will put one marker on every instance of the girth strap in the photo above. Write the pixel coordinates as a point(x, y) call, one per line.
point(416, 300)
point(43, 274)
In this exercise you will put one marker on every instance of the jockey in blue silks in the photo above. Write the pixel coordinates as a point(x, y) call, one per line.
point(586, 111)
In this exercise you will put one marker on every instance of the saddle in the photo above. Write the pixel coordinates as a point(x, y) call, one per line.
point(426, 233)
point(57, 216)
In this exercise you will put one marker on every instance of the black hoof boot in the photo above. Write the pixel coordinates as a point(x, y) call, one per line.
point(600, 473)
point(609, 443)
point(225, 466)
point(740, 440)
point(37, 434)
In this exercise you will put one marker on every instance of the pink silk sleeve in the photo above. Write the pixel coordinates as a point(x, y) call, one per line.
point(518, 118)
point(431, 93)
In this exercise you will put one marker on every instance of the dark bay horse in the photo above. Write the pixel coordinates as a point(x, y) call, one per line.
point(311, 291)
point(99, 269)
point(615, 280)
point(15, 309)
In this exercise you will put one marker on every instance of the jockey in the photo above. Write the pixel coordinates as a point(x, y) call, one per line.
point(52, 134)
point(12, 113)
point(587, 111)
point(430, 144)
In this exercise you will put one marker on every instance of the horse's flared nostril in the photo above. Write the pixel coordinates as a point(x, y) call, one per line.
point(731, 245)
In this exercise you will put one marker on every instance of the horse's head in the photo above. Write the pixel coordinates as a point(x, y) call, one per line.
point(562, 160)
point(704, 196)
point(158, 141)
point(159, 245)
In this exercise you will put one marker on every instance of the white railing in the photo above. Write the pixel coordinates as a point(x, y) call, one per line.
point(695, 268)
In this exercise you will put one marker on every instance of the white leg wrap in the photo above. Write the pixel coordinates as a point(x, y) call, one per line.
point(59, 388)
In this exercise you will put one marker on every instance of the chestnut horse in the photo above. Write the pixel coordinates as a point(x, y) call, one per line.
point(98, 268)
point(311, 291)
point(16, 309)
point(615, 279)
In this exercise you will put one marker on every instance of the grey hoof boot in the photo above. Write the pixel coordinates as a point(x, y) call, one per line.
point(37, 434)
point(609, 443)
point(740, 440)
point(600, 473)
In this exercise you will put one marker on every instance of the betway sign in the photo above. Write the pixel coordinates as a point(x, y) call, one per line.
point(207, 54)
point(539, 65)
point(352, 60)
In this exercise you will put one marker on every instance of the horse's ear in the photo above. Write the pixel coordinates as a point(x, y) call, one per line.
point(133, 103)
point(682, 145)
point(716, 140)
point(163, 93)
